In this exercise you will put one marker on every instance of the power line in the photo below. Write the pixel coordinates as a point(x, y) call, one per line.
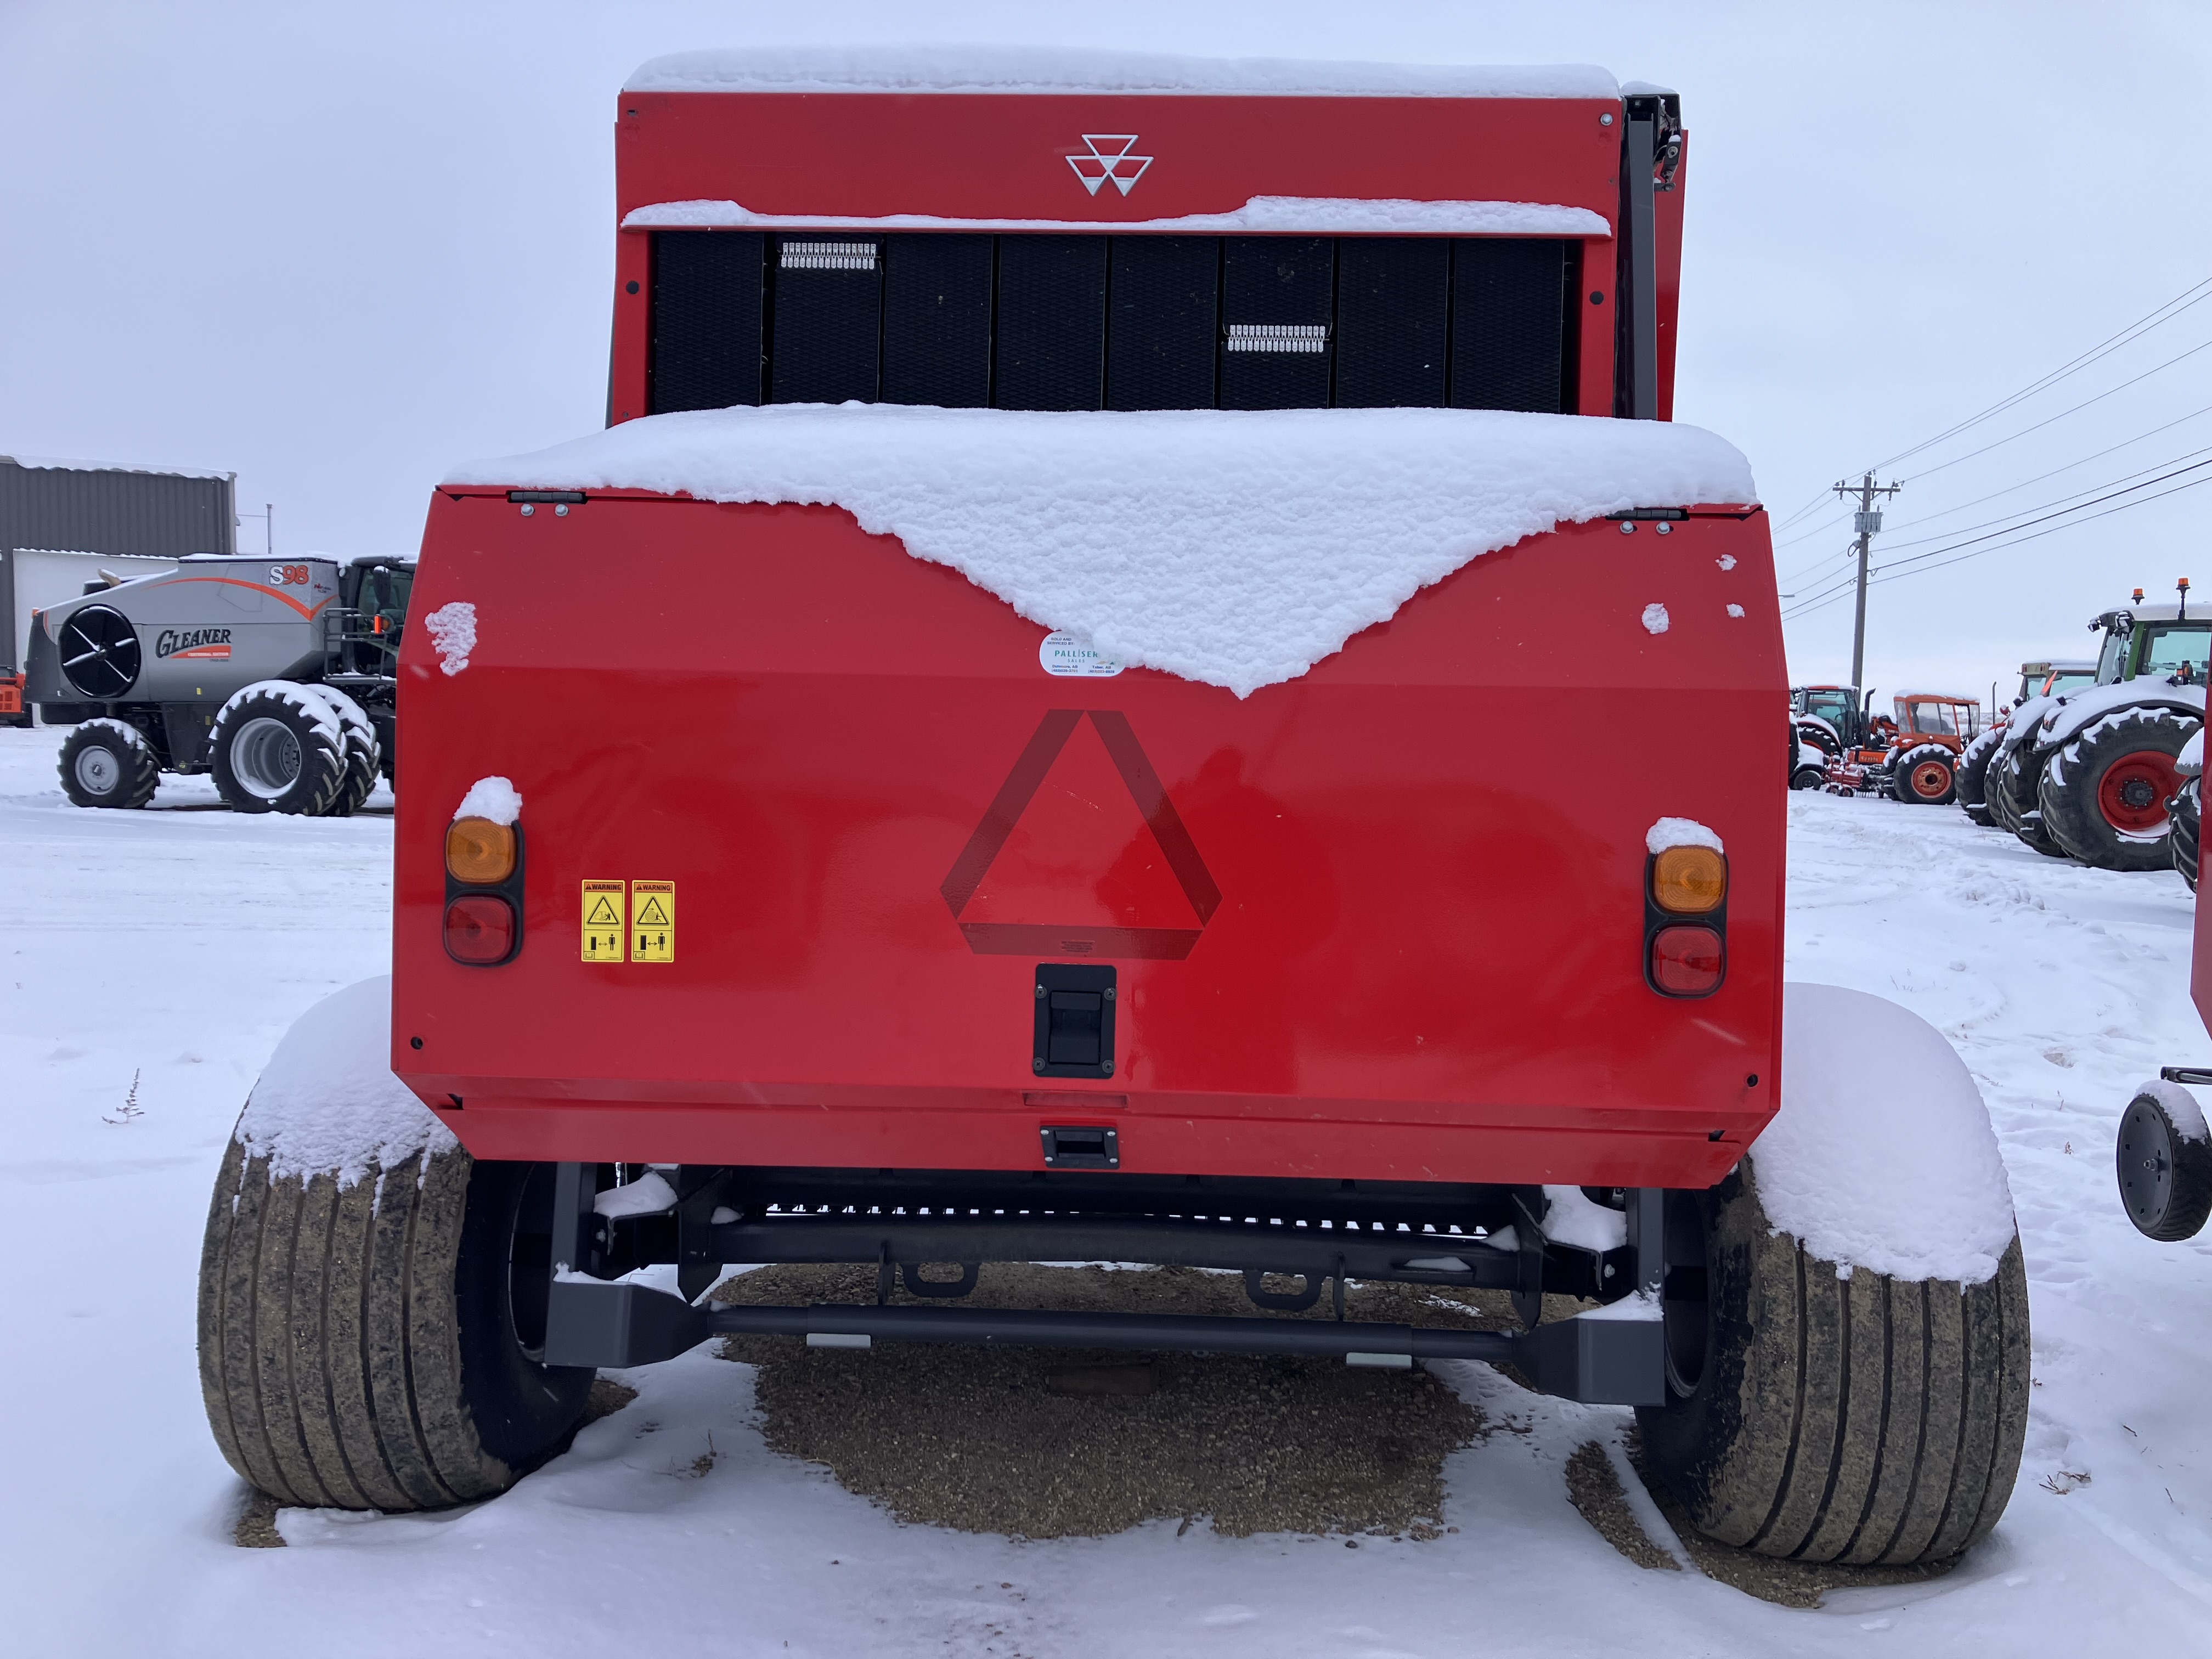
point(2159, 368)
point(2095, 455)
point(2165, 313)
point(2003, 521)
point(1817, 603)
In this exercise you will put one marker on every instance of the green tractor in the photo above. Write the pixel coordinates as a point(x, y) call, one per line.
point(2092, 775)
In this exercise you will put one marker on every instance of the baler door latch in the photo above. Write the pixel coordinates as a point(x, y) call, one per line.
point(1073, 1028)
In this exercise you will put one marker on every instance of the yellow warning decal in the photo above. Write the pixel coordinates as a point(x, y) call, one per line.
point(652, 922)
point(605, 920)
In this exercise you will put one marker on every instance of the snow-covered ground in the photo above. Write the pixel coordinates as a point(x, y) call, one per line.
point(172, 946)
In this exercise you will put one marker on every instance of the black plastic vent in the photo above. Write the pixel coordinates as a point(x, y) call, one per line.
point(828, 320)
point(1160, 338)
point(937, 320)
point(1052, 322)
point(1278, 284)
point(1393, 314)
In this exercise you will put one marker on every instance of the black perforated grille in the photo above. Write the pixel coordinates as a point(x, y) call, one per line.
point(1052, 322)
point(828, 320)
point(706, 320)
point(937, 320)
point(1509, 301)
point(1066, 322)
point(1392, 314)
point(1160, 336)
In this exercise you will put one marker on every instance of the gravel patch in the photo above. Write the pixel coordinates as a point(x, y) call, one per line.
point(1595, 1489)
point(1043, 1443)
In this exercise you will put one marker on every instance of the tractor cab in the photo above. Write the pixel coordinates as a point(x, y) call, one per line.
point(1952, 722)
point(2154, 641)
point(2049, 679)
point(1837, 705)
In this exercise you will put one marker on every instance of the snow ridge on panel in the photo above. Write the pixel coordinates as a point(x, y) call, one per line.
point(65, 464)
point(493, 800)
point(1898, 1175)
point(1308, 215)
point(1231, 548)
point(962, 68)
point(327, 1103)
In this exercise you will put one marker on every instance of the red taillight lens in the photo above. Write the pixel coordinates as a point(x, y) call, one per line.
point(1686, 962)
point(480, 929)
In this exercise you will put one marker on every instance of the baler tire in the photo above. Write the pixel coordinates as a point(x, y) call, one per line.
point(256, 788)
point(358, 1346)
point(2072, 793)
point(1899, 1447)
point(2185, 812)
point(108, 752)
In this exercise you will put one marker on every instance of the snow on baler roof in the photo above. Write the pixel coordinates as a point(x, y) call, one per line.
point(1062, 70)
point(1233, 548)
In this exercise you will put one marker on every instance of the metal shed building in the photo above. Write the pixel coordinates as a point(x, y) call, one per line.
point(50, 508)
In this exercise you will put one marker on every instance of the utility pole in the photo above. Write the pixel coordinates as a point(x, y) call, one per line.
point(1866, 521)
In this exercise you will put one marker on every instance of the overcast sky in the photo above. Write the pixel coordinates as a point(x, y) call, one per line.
point(340, 248)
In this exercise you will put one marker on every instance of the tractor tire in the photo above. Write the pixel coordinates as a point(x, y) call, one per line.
point(1869, 1420)
point(1972, 779)
point(2183, 814)
point(105, 763)
point(277, 747)
point(2103, 795)
point(1809, 777)
point(361, 752)
point(1926, 775)
point(367, 1347)
point(2012, 801)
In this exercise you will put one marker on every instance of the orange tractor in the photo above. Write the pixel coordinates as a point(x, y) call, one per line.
point(1911, 756)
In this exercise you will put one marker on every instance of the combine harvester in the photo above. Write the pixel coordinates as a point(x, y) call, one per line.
point(1128, 823)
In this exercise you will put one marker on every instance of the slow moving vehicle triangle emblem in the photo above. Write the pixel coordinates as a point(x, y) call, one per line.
point(1087, 938)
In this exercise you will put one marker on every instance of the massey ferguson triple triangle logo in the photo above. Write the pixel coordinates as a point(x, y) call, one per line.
point(1110, 158)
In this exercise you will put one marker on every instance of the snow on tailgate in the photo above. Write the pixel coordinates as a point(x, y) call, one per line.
point(1231, 548)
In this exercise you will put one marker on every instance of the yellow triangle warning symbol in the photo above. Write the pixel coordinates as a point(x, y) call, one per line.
point(652, 915)
point(603, 915)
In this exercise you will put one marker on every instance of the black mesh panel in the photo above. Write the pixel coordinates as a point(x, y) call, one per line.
point(1052, 322)
point(937, 320)
point(1509, 303)
point(1162, 329)
point(829, 312)
point(1276, 282)
point(1393, 297)
point(705, 320)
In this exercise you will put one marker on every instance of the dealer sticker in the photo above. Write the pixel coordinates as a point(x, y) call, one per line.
point(1070, 658)
point(605, 920)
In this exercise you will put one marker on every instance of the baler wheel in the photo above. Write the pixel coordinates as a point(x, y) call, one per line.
point(1871, 1420)
point(2104, 797)
point(106, 763)
point(2165, 1173)
point(370, 1346)
point(268, 754)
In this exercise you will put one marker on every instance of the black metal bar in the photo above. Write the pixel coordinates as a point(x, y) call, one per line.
point(1230, 1245)
point(1596, 1359)
point(1640, 301)
point(1183, 1333)
point(1647, 1236)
